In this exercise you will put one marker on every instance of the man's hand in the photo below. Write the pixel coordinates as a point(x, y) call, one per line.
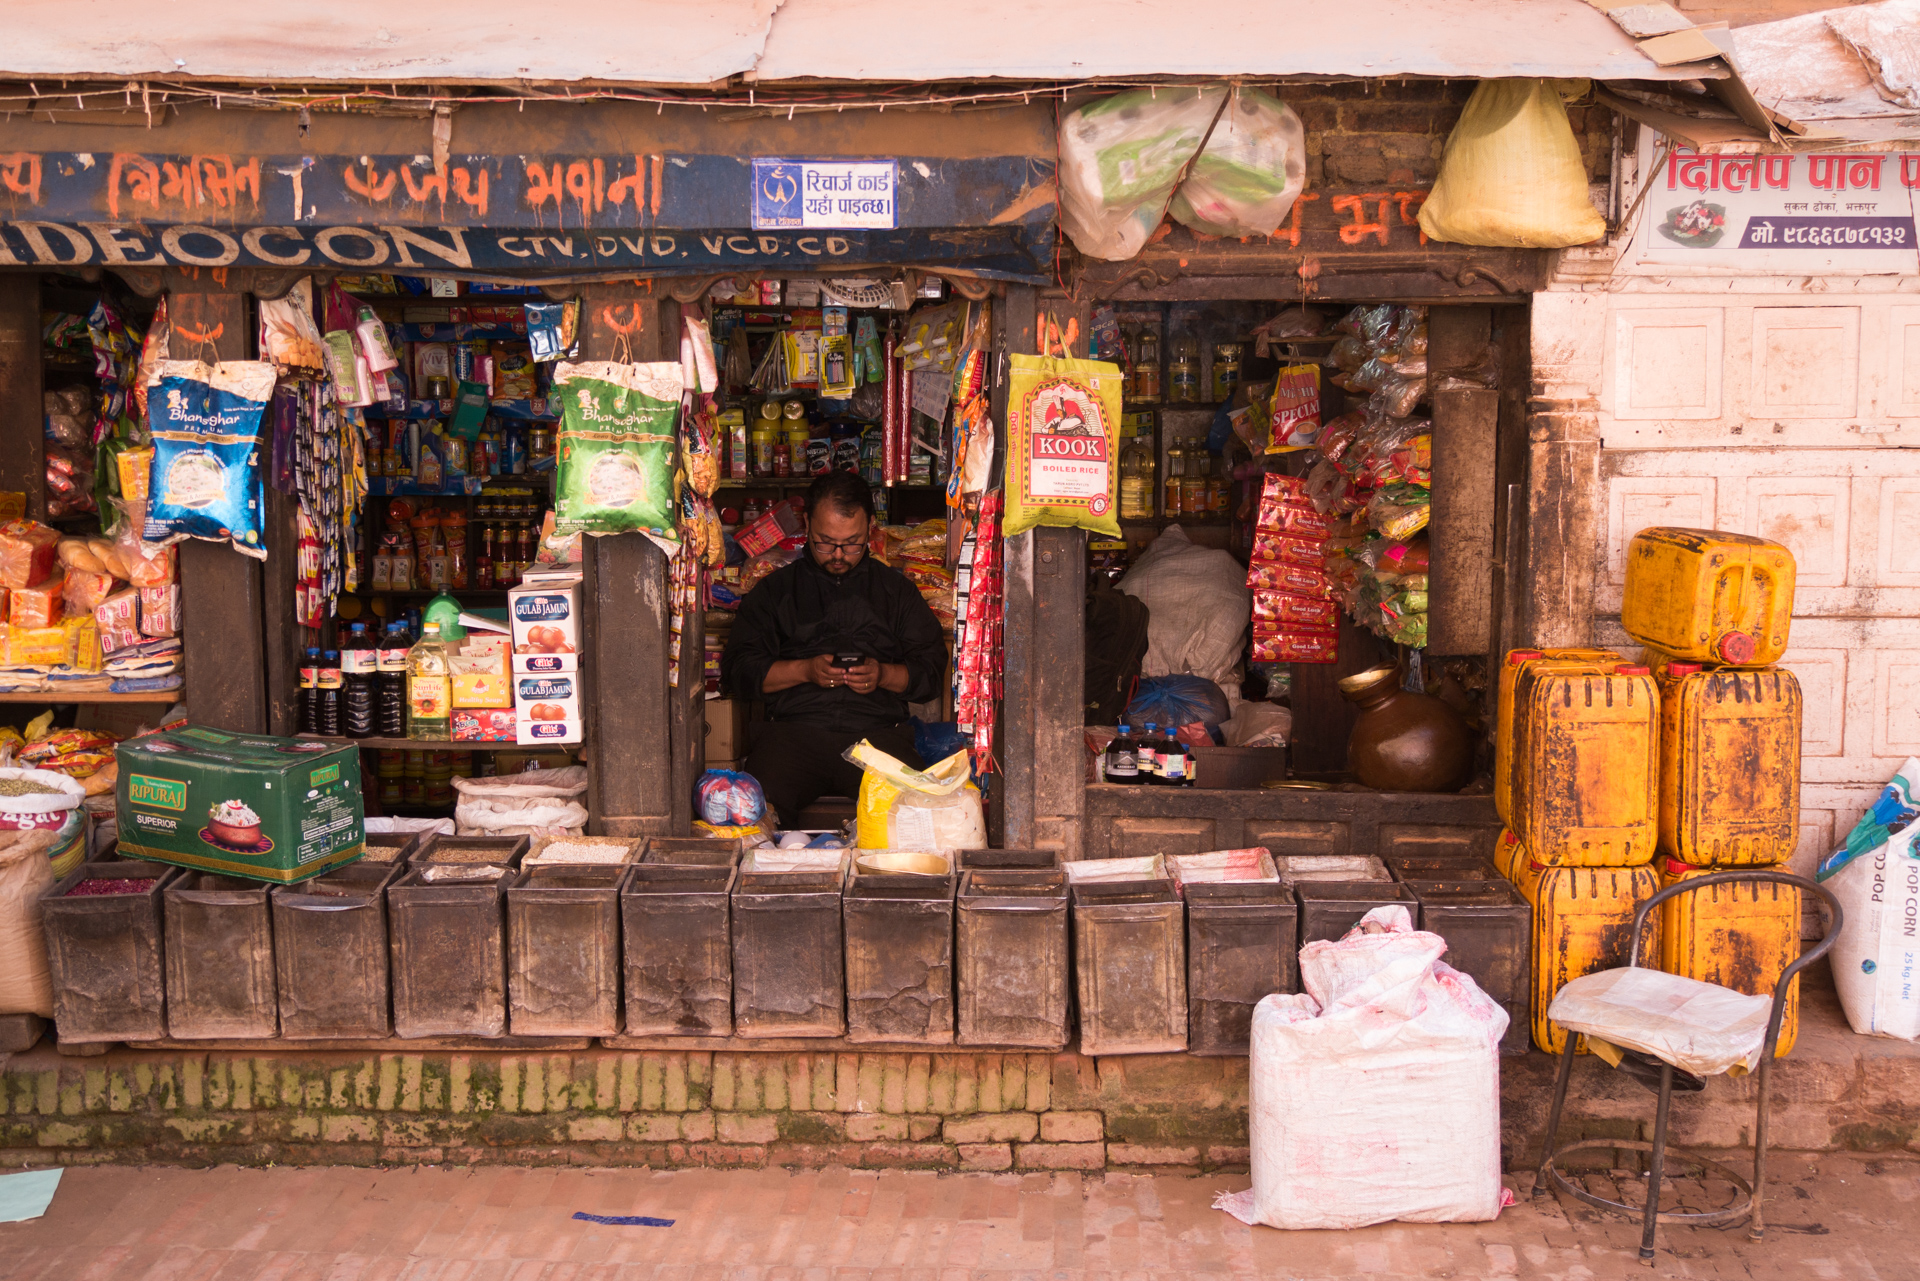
point(822, 672)
point(869, 675)
point(862, 677)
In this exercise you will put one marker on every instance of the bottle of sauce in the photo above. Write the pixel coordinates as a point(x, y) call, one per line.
point(1123, 760)
point(359, 661)
point(1193, 485)
point(329, 691)
point(429, 687)
point(766, 430)
point(1174, 763)
point(390, 683)
point(483, 562)
point(309, 701)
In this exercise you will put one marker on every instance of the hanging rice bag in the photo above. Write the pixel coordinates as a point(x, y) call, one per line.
point(615, 464)
point(206, 463)
point(1512, 174)
point(1063, 424)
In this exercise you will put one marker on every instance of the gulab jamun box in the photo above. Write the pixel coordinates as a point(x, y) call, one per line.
point(272, 809)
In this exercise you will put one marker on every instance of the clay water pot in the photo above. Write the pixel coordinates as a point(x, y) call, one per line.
point(1405, 742)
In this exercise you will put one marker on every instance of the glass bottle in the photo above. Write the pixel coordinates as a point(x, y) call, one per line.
point(1193, 484)
point(1226, 370)
point(429, 688)
point(1136, 480)
point(1183, 371)
point(1176, 468)
point(1146, 367)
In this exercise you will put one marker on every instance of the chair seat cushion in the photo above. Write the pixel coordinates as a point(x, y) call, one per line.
point(1702, 1027)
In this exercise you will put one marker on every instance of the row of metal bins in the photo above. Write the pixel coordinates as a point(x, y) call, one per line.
point(687, 941)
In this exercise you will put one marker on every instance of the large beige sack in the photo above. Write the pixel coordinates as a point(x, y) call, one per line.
point(26, 986)
point(1512, 175)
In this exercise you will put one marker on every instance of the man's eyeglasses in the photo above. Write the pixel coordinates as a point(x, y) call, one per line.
point(852, 545)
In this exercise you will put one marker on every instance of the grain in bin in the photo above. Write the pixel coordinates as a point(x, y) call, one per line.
point(250, 805)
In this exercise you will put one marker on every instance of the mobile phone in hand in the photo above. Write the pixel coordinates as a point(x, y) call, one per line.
point(848, 661)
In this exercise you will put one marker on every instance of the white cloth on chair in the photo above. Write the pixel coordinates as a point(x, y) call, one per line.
point(1702, 1027)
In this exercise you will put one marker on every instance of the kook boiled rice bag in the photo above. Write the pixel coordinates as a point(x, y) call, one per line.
point(205, 481)
point(615, 464)
point(1063, 445)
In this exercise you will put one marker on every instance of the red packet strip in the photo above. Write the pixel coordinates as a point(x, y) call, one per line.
point(1288, 519)
point(1308, 552)
point(1280, 488)
point(1275, 611)
point(1300, 580)
point(1308, 645)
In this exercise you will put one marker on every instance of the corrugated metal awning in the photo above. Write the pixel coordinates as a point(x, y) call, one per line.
point(703, 41)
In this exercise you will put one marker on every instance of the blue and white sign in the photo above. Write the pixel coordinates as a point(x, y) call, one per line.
point(828, 195)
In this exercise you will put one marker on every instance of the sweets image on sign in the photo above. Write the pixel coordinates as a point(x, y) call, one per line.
point(1063, 436)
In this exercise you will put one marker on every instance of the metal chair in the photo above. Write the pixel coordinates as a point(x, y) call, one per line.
point(1660, 1076)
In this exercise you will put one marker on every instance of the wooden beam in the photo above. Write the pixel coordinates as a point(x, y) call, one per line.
point(1460, 620)
point(22, 457)
point(223, 623)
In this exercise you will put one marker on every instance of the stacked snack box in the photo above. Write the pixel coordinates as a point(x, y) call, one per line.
point(1295, 616)
point(544, 612)
point(481, 673)
point(87, 614)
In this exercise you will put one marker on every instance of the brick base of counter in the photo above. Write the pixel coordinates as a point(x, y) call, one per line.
point(955, 1111)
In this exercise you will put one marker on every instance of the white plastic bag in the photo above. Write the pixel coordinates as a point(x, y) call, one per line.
point(1876, 877)
point(26, 985)
point(1121, 156)
point(1702, 1027)
point(1376, 1094)
point(1198, 608)
point(1101, 871)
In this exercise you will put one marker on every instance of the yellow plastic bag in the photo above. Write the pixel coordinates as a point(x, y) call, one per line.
point(1512, 174)
point(901, 808)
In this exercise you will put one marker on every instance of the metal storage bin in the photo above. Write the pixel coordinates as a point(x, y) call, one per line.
point(219, 946)
point(677, 935)
point(1488, 927)
point(390, 847)
point(106, 955)
point(789, 959)
point(1026, 860)
point(1242, 945)
point(1429, 868)
point(1013, 959)
point(1130, 967)
point(693, 851)
point(448, 943)
point(330, 953)
point(506, 851)
point(1294, 868)
point(1328, 909)
point(899, 957)
point(563, 951)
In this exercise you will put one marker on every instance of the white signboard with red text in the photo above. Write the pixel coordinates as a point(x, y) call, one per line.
point(1805, 212)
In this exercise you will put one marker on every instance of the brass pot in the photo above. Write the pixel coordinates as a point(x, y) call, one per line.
point(1403, 741)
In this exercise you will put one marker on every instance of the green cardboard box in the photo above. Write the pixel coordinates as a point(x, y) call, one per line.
point(272, 809)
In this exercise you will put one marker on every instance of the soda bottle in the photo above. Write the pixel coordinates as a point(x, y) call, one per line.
point(329, 687)
point(1123, 758)
point(359, 661)
point(391, 683)
point(429, 687)
point(1147, 754)
point(309, 700)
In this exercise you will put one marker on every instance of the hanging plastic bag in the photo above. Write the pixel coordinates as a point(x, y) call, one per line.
point(205, 481)
point(1063, 440)
point(1254, 168)
point(1119, 160)
point(615, 465)
point(288, 336)
point(935, 810)
point(1512, 174)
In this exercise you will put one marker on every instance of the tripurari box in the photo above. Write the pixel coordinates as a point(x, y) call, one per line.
point(271, 809)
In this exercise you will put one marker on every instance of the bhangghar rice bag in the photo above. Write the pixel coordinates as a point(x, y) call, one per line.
point(615, 464)
point(205, 481)
point(1063, 437)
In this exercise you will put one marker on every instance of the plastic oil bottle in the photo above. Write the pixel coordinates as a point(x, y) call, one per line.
point(1148, 754)
point(390, 683)
point(359, 662)
point(1136, 480)
point(328, 694)
point(1123, 758)
point(429, 687)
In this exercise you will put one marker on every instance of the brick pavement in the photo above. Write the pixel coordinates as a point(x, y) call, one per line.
point(1836, 1217)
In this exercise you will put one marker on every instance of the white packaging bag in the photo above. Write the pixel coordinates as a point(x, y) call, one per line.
point(1876, 877)
point(1376, 1094)
point(1197, 608)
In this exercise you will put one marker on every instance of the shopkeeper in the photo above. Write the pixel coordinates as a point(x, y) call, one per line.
point(834, 605)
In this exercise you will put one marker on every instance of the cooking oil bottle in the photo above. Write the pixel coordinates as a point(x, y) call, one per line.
point(429, 687)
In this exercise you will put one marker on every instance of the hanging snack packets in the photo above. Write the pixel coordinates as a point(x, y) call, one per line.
point(615, 464)
point(553, 329)
point(205, 481)
point(1296, 409)
point(1063, 426)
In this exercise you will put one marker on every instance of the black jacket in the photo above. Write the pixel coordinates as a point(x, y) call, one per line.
point(801, 610)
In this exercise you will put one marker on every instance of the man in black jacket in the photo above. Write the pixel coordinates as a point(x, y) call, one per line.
point(834, 603)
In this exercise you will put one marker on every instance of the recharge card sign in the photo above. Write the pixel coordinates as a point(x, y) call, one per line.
point(829, 195)
point(1798, 212)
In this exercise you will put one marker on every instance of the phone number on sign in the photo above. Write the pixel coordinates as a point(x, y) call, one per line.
point(1828, 233)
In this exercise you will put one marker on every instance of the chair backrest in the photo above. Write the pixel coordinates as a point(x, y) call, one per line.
point(1834, 918)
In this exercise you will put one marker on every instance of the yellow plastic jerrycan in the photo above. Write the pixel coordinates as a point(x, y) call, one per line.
point(1729, 765)
point(1708, 596)
point(1587, 765)
point(1518, 662)
point(1739, 936)
point(1510, 856)
point(1582, 924)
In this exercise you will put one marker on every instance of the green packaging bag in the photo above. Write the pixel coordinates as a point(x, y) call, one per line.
point(615, 464)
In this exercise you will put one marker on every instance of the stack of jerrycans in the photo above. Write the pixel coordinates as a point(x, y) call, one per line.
point(1576, 764)
point(1713, 610)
